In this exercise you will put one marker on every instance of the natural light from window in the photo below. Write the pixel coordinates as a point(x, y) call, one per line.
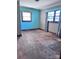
point(26, 16)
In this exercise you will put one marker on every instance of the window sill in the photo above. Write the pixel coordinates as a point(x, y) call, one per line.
point(52, 22)
point(26, 21)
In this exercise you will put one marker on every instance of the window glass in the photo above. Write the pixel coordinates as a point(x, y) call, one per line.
point(26, 16)
point(50, 16)
point(57, 13)
point(56, 19)
point(50, 13)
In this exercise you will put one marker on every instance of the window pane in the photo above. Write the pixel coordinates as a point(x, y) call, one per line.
point(57, 13)
point(50, 16)
point(50, 19)
point(50, 13)
point(26, 16)
point(57, 18)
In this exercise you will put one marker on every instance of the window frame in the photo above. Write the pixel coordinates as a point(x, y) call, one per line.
point(54, 17)
point(30, 17)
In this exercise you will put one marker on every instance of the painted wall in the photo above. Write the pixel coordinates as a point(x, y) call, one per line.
point(42, 20)
point(53, 27)
point(35, 23)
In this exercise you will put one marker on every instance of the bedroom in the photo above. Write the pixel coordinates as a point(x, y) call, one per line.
point(39, 29)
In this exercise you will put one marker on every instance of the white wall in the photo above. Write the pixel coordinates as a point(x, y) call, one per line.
point(42, 21)
point(53, 27)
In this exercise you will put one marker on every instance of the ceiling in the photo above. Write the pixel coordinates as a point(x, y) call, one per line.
point(41, 4)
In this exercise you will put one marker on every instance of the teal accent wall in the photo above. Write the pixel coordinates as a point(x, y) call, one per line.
point(35, 23)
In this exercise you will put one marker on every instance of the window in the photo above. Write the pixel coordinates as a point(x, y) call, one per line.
point(57, 16)
point(26, 16)
point(54, 16)
point(50, 16)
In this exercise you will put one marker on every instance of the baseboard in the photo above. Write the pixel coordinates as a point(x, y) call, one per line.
point(19, 35)
point(55, 34)
point(38, 29)
point(41, 29)
point(51, 32)
point(30, 29)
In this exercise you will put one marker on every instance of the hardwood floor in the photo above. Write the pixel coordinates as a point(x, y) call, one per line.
point(37, 44)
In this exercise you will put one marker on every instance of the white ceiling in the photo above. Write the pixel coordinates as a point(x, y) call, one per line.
point(38, 5)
